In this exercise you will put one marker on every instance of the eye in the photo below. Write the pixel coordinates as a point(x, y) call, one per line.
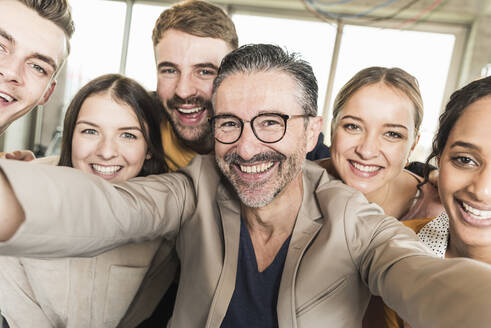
point(351, 127)
point(206, 72)
point(128, 135)
point(39, 69)
point(89, 131)
point(227, 124)
point(393, 135)
point(463, 161)
point(168, 70)
point(268, 123)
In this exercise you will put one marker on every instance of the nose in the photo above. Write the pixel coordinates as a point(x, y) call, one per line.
point(186, 86)
point(481, 185)
point(11, 69)
point(367, 147)
point(107, 148)
point(248, 145)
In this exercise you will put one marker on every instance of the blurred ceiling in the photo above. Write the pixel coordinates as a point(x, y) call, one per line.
point(444, 11)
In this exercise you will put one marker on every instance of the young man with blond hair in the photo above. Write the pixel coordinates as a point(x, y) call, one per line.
point(34, 44)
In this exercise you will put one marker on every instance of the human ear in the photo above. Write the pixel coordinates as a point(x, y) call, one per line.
point(48, 93)
point(416, 140)
point(313, 129)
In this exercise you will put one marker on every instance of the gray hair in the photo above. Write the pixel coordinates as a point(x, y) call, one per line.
point(266, 57)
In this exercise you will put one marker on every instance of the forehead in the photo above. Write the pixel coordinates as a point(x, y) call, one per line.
point(473, 125)
point(380, 103)
point(32, 33)
point(248, 94)
point(102, 109)
point(184, 49)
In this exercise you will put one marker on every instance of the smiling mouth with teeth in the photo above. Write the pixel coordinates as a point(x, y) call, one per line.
point(106, 170)
point(259, 168)
point(6, 98)
point(190, 110)
point(474, 212)
point(365, 168)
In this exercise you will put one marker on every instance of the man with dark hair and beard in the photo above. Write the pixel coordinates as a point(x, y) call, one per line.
point(264, 237)
point(190, 39)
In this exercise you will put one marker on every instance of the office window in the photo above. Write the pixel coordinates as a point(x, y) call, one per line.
point(140, 64)
point(424, 55)
point(95, 50)
point(313, 40)
point(96, 43)
point(486, 71)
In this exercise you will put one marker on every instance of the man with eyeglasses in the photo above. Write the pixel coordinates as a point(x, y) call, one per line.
point(264, 238)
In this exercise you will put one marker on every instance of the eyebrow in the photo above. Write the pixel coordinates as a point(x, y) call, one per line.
point(258, 113)
point(166, 64)
point(6, 35)
point(48, 60)
point(200, 65)
point(388, 125)
point(464, 145)
point(121, 128)
point(206, 65)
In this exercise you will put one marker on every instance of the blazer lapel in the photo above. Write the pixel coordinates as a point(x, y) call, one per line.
point(229, 211)
point(306, 227)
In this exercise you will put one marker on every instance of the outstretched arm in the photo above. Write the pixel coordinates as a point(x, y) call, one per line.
point(12, 215)
point(424, 290)
point(66, 212)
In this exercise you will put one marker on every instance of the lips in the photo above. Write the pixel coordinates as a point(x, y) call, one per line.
point(364, 170)
point(473, 215)
point(190, 110)
point(191, 116)
point(257, 168)
point(6, 98)
point(106, 170)
point(476, 213)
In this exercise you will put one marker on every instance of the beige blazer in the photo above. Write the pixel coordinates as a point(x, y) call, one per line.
point(75, 292)
point(342, 248)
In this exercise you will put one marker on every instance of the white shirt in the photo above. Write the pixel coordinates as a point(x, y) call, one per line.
point(435, 235)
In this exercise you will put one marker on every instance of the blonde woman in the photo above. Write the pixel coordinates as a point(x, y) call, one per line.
point(375, 126)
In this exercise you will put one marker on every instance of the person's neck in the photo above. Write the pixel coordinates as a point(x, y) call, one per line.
point(457, 248)
point(202, 147)
point(280, 214)
point(396, 196)
point(269, 226)
point(380, 195)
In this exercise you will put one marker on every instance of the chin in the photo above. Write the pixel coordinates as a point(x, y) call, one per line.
point(362, 187)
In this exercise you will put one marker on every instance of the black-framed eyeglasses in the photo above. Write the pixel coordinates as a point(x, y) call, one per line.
point(267, 127)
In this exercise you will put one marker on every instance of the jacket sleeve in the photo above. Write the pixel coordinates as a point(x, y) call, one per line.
point(424, 290)
point(70, 213)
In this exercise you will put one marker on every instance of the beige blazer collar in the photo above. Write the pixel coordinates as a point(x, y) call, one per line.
point(229, 211)
point(309, 222)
